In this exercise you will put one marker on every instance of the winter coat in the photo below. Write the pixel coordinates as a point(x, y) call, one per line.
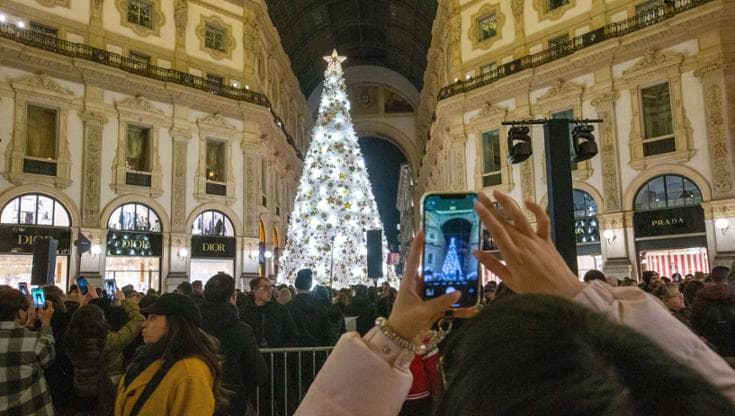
point(312, 320)
point(365, 312)
point(713, 315)
point(186, 390)
point(61, 370)
point(118, 340)
point(244, 366)
point(384, 378)
point(272, 324)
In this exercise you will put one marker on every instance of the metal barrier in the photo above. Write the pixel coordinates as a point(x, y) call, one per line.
point(291, 372)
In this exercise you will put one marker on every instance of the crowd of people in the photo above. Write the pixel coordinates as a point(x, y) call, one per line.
point(541, 342)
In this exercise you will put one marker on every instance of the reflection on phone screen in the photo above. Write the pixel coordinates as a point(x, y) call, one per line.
point(451, 234)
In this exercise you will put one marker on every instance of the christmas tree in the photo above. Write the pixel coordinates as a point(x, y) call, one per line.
point(334, 204)
point(451, 269)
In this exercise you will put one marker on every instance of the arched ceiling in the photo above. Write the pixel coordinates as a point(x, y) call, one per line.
point(390, 33)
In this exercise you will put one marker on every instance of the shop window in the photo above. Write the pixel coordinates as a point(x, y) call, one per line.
point(212, 223)
point(491, 160)
point(658, 125)
point(43, 29)
point(587, 229)
point(555, 4)
point(40, 143)
point(488, 26)
point(134, 217)
point(137, 153)
point(215, 38)
point(667, 191)
point(35, 209)
point(140, 12)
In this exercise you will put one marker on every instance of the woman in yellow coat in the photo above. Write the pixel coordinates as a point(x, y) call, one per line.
point(178, 371)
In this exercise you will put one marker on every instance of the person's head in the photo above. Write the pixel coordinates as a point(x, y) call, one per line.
point(73, 292)
point(688, 277)
point(220, 288)
point(173, 323)
point(691, 289)
point(676, 277)
point(361, 291)
point(303, 280)
point(650, 278)
point(184, 288)
point(719, 274)
point(284, 295)
point(127, 290)
point(594, 275)
point(562, 352)
point(341, 299)
point(147, 300)
point(150, 291)
point(261, 288)
point(322, 293)
point(87, 322)
point(197, 286)
point(13, 304)
point(55, 295)
point(671, 296)
point(502, 292)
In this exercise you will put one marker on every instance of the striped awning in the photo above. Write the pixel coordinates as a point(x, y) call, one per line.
point(668, 262)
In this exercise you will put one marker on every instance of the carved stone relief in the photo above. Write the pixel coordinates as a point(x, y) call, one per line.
point(157, 19)
point(91, 188)
point(608, 154)
point(720, 162)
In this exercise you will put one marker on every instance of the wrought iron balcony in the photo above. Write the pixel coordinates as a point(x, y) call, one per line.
point(613, 30)
point(133, 66)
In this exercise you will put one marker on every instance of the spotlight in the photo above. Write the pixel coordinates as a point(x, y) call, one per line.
point(519, 144)
point(584, 142)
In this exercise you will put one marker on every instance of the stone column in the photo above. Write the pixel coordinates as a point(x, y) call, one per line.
point(456, 150)
point(455, 35)
point(605, 105)
point(250, 145)
point(181, 136)
point(250, 38)
point(181, 19)
point(520, 30)
point(91, 159)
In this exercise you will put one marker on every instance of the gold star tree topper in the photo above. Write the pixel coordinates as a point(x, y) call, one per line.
point(334, 61)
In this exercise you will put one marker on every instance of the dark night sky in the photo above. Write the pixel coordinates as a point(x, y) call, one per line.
point(383, 161)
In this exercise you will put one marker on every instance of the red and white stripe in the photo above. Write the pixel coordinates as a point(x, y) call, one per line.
point(666, 263)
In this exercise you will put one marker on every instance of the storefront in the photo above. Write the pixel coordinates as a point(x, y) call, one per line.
point(213, 246)
point(134, 247)
point(587, 233)
point(669, 227)
point(24, 220)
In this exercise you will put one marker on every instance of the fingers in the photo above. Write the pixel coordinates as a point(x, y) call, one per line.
point(465, 313)
point(494, 265)
point(439, 305)
point(513, 211)
point(496, 228)
point(543, 224)
point(410, 278)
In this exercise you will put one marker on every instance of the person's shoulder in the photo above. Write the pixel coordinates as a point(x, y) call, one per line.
point(191, 366)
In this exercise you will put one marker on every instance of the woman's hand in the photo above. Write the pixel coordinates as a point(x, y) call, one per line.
point(412, 317)
point(532, 263)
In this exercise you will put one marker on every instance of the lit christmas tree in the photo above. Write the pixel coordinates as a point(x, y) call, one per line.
point(451, 268)
point(334, 204)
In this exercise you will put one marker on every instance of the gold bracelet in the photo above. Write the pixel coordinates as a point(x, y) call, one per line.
point(419, 349)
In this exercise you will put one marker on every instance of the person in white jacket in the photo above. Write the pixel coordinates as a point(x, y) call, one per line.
point(631, 336)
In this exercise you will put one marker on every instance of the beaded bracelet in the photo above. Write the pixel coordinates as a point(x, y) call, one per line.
point(436, 337)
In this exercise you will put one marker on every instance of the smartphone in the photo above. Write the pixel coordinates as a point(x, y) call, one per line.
point(39, 298)
point(23, 287)
point(451, 235)
point(110, 288)
point(82, 284)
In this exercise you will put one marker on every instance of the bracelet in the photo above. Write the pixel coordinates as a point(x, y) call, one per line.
point(419, 349)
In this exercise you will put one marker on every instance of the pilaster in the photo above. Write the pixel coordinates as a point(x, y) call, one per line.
point(91, 160)
point(181, 19)
point(611, 189)
point(181, 134)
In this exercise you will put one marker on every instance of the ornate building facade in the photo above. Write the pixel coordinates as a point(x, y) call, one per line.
point(659, 195)
point(169, 133)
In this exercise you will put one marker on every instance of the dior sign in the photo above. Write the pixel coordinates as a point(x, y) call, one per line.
point(134, 244)
point(213, 247)
point(20, 238)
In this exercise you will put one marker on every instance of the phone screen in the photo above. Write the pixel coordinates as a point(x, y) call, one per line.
point(39, 298)
point(23, 287)
point(451, 234)
point(82, 284)
point(110, 288)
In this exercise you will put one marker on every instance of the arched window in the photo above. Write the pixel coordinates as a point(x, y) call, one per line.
point(667, 191)
point(212, 223)
point(586, 226)
point(134, 217)
point(35, 209)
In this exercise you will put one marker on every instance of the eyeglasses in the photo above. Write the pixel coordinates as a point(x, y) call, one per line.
point(267, 287)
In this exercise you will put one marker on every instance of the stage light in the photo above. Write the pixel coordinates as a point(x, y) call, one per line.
point(519, 144)
point(585, 146)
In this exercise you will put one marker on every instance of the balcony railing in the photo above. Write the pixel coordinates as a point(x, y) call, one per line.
point(133, 66)
point(613, 30)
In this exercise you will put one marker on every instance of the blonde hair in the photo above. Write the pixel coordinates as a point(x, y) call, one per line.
point(284, 296)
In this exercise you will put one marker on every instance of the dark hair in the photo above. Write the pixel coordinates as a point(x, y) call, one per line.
point(73, 288)
point(11, 301)
point(184, 288)
point(594, 275)
point(116, 317)
point(691, 289)
point(256, 282)
point(185, 339)
point(303, 279)
point(565, 359)
point(197, 284)
point(719, 274)
point(147, 300)
point(219, 288)
point(647, 275)
point(56, 296)
point(361, 291)
point(86, 324)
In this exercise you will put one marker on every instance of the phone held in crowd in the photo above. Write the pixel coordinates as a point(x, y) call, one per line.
point(451, 234)
point(39, 298)
point(110, 288)
point(83, 285)
point(23, 287)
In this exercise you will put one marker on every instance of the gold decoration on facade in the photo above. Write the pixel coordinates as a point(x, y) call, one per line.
point(474, 31)
point(229, 39)
point(157, 18)
point(541, 7)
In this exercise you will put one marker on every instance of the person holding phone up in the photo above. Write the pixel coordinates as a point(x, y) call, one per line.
point(23, 356)
point(558, 347)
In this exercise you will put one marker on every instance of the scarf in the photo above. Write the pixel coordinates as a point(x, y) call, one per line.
point(144, 356)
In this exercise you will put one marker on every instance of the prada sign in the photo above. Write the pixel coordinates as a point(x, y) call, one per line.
point(686, 220)
point(213, 247)
point(20, 238)
point(127, 243)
